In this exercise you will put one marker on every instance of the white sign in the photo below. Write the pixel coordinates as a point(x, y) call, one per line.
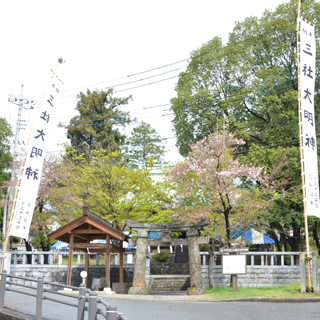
point(129, 259)
point(7, 262)
point(234, 264)
point(32, 170)
point(307, 83)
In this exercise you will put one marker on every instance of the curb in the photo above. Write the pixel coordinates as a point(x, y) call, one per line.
point(273, 300)
point(186, 298)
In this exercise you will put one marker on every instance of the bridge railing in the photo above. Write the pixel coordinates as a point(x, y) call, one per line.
point(87, 300)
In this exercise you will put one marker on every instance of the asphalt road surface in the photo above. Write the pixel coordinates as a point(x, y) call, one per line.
point(137, 309)
point(177, 310)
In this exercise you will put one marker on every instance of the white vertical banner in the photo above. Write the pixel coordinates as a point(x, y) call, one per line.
point(307, 84)
point(32, 169)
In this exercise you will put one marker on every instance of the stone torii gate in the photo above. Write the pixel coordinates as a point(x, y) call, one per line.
point(192, 241)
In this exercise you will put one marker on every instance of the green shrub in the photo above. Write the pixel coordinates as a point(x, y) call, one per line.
point(162, 256)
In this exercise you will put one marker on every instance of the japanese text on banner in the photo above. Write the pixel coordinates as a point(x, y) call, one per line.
point(307, 85)
point(32, 170)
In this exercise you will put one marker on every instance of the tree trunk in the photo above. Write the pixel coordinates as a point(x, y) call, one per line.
point(296, 238)
point(316, 236)
point(210, 266)
point(226, 218)
point(45, 256)
point(29, 248)
point(277, 242)
point(294, 242)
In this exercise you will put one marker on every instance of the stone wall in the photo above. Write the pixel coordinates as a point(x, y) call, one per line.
point(255, 277)
point(58, 274)
point(172, 266)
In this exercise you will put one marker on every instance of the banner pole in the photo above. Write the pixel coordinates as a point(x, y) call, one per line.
point(20, 173)
point(309, 289)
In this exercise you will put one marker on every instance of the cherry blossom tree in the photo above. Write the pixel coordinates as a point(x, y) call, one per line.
point(212, 184)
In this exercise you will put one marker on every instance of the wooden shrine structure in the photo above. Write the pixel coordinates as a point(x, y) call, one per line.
point(80, 232)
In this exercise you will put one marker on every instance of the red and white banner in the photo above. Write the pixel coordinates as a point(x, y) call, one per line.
point(32, 170)
point(307, 84)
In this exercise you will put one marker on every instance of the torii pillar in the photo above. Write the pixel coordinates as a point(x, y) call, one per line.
point(139, 274)
point(196, 285)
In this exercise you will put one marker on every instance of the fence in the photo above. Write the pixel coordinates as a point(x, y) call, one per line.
point(260, 259)
point(254, 259)
point(263, 268)
point(56, 257)
point(87, 300)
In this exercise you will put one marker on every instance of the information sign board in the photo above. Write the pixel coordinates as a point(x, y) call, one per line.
point(234, 264)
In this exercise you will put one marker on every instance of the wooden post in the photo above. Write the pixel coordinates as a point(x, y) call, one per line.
point(234, 283)
point(69, 272)
point(86, 266)
point(121, 263)
point(107, 260)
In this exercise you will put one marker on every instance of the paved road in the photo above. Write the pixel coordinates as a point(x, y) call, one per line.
point(166, 309)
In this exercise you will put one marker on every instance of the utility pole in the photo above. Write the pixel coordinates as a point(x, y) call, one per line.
point(20, 102)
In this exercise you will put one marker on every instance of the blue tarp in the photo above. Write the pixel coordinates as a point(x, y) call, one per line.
point(60, 246)
point(254, 237)
point(154, 235)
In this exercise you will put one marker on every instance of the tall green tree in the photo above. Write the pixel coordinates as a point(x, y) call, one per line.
point(109, 188)
point(250, 83)
point(144, 147)
point(98, 123)
point(249, 87)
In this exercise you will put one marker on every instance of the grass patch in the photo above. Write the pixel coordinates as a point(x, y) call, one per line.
point(291, 290)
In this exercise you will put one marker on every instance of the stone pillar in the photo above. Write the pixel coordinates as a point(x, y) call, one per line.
point(196, 285)
point(139, 274)
point(302, 272)
point(315, 273)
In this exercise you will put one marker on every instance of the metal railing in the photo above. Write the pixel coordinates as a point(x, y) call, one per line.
point(87, 300)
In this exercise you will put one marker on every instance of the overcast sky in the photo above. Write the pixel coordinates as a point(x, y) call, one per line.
point(106, 43)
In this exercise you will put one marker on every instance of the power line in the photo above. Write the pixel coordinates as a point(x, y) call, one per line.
point(147, 84)
point(122, 84)
point(207, 95)
point(257, 94)
point(170, 64)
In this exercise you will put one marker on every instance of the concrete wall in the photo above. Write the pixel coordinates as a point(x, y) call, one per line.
point(255, 277)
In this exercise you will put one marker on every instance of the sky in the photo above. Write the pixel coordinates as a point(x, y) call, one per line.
point(108, 44)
